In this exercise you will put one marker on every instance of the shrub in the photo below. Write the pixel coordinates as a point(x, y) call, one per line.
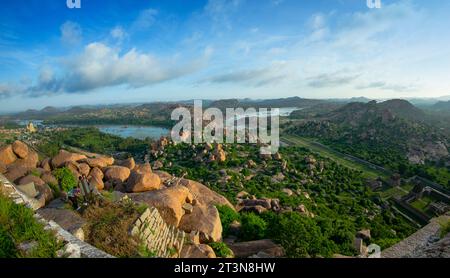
point(253, 227)
point(221, 249)
point(18, 225)
point(227, 216)
point(66, 179)
point(299, 235)
point(445, 228)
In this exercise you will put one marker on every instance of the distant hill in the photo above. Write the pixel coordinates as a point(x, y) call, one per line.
point(391, 130)
point(266, 103)
point(442, 106)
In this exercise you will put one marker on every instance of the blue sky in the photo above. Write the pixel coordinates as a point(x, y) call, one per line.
point(156, 50)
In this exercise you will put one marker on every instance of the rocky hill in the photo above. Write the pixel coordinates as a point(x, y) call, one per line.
point(183, 205)
point(394, 126)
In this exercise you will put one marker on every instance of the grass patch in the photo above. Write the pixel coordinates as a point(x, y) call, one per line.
point(18, 225)
point(108, 228)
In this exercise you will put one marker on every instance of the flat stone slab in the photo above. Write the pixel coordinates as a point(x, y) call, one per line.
point(67, 219)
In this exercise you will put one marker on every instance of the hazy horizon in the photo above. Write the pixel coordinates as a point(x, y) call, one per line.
point(121, 52)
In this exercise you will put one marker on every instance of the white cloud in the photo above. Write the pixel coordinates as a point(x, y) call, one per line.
point(220, 10)
point(71, 33)
point(118, 33)
point(101, 66)
point(145, 19)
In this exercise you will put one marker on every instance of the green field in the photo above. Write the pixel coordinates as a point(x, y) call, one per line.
point(334, 155)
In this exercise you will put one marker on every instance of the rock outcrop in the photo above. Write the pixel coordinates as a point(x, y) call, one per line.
point(64, 156)
point(168, 201)
point(205, 220)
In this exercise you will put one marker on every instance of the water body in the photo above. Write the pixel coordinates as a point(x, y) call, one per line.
point(139, 132)
point(142, 132)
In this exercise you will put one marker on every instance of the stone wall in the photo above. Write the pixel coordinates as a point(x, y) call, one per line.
point(418, 240)
point(164, 240)
point(73, 247)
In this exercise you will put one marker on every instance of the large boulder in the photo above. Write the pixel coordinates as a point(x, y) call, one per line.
point(7, 155)
point(84, 169)
point(143, 168)
point(204, 195)
point(15, 173)
point(3, 168)
point(168, 201)
point(96, 172)
point(31, 179)
point(197, 251)
point(129, 163)
point(29, 189)
point(31, 161)
point(142, 179)
point(96, 178)
point(205, 220)
point(99, 162)
point(64, 156)
point(46, 192)
point(117, 173)
point(20, 149)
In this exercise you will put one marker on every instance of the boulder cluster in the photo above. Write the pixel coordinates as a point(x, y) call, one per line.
point(182, 203)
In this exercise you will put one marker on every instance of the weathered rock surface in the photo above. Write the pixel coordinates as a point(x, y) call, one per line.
point(30, 161)
point(7, 155)
point(45, 164)
point(30, 179)
point(249, 248)
point(3, 168)
point(129, 163)
point(168, 201)
point(205, 220)
point(14, 173)
point(67, 219)
point(199, 251)
point(20, 149)
point(96, 178)
point(64, 156)
point(84, 169)
point(142, 180)
point(117, 173)
point(46, 192)
point(204, 195)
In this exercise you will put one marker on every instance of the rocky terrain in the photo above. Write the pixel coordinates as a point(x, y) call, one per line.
point(182, 205)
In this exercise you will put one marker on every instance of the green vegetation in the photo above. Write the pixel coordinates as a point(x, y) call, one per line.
point(336, 156)
point(253, 227)
point(227, 216)
point(445, 228)
point(66, 179)
point(335, 194)
point(221, 249)
point(381, 133)
point(91, 139)
point(18, 226)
